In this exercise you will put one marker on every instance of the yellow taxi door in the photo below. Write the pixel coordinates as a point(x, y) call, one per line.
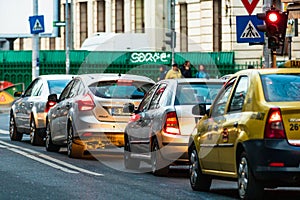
point(231, 125)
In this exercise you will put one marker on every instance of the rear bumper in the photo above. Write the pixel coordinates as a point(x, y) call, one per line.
point(175, 147)
point(96, 135)
point(274, 162)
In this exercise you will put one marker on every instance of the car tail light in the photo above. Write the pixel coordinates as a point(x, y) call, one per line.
point(274, 126)
point(86, 103)
point(49, 105)
point(124, 82)
point(276, 164)
point(171, 126)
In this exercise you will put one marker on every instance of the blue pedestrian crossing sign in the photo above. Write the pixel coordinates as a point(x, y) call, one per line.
point(36, 24)
point(246, 30)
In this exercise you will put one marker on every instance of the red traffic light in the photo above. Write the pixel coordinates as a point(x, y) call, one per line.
point(272, 17)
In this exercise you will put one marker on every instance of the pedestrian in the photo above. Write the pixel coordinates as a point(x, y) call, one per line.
point(186, 69)
point(174, 72)
point(162, 73)
point(202, 73)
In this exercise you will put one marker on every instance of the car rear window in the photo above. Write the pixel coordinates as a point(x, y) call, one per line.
point(117, 89)
point(195, 93)
point(281, 87)
point(56, 86)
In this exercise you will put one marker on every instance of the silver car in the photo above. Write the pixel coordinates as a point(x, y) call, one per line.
point(28, 112)
point(159, 130)
point(89, 113)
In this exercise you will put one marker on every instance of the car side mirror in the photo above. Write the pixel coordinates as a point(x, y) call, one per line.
point(18, 94)
point(199, 109)
point(52, 97)
point(128, 108)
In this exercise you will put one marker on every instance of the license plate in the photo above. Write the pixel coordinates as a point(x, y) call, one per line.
point(118, 111)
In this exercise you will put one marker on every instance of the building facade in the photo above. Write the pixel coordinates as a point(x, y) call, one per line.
point(200, 25)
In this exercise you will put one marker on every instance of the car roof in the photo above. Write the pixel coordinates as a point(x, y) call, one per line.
point(56, 76)
point(194, 80)
point(91, 78)
point(268, 71)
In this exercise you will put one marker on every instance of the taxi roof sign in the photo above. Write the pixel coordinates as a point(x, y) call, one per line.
point(291, 64)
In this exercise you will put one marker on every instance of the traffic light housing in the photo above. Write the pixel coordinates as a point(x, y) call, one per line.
point(172, 39)
point(274, 26)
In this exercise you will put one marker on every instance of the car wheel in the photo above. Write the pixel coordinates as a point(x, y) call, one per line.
point(159, 166)
point(129, 162)
point(49, 144)
point(35, 139)
point(13, 132)
point(248, 187)
point(73, 150)
point(198, 180)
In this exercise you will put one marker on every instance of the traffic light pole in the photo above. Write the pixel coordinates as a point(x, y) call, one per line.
point(273, 55)
point(173, 30)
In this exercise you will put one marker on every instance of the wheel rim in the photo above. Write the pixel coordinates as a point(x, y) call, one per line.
point(194, 167)
point(243, 177)
point(11, 126)
point(70, 141)
point(32, 131)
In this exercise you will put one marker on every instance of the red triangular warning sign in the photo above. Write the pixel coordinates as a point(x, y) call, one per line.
point(250, 5)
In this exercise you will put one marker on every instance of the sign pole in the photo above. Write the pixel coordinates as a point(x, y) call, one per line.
point(35, 46)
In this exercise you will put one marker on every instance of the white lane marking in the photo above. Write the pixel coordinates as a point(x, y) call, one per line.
point(43, 161)
point(50, 158)
point(3, 132)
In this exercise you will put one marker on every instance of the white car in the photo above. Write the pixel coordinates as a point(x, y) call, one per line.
point(89, 113)
point(28, 113)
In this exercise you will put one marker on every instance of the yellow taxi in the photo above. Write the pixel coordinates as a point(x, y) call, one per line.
point(251, 133)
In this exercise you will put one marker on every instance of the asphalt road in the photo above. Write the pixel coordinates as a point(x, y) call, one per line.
point(30, 172)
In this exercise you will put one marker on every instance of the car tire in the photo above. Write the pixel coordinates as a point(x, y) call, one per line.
point(248, 186)
point(49, 144)
point(73, 150)
point(159, 166)
point(198, 180)
point(35, 139)
point(14, 134)
point(129, 162)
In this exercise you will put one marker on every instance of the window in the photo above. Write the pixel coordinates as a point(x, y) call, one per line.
point(29, 90)
point(83, 22)
point(281, 87)
point(239, 95)
point(139, 16)
point(66, 91)
point(157, 96)
point(120, 89)
point(56, 86)
point(52, 43)
point(37, 88)
point(221, 101)
point(119, 16)
point(101, 16)
point(145, 102)
point(183, 28)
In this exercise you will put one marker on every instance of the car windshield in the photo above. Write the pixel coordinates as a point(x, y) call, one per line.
point(195, 93)
point(281, 87)
point(120, 89)
point(56, 86)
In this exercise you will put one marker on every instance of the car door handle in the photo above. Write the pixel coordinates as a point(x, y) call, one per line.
point(235, 124)
point(30, 104)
